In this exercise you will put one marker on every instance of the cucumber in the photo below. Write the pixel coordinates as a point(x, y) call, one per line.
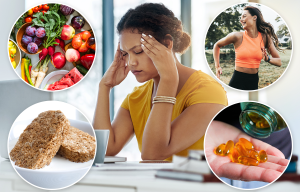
point(82, 70)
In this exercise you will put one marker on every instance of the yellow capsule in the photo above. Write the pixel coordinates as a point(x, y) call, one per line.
point(234, 155)
point(248, 161)
point(253, 154)
point(228, 148)
point(247, 144)
point(262, 156)
point(240, 148)
point(220, 149)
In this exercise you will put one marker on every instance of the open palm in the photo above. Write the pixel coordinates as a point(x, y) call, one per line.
point(219, 132)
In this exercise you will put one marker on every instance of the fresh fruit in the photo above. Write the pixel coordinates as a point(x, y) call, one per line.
point(40, 32)
point(35, 9)
point(45, 7)
point(38, 41)
point(32, 48)
point(87, 60)
point(44, 12)
point(79, 41)
point(58, 60)
point(65, 10)
point(57, 40)
point(67, 32)
point(77, 22)
point(53, 87)
point(74, 74)
point(30, 31)
point(66, 81)
point(43, 54)
point(51, 50)
point(26, 39)
point(28, 20)
point(40, 7)
point(72, 55)
point(12, 49)
point(30, 12)
point(81, 69)
point(91, 43)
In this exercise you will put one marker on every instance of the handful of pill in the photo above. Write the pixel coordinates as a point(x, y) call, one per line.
point(242, 152)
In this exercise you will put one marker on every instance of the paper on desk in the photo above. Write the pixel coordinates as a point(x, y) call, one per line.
point(133, 166)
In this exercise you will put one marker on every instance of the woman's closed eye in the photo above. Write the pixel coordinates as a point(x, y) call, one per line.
point(139, 52)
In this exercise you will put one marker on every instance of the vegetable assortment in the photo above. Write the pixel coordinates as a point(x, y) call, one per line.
point(63, 39)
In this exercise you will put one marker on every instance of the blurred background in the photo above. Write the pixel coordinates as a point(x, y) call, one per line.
point(282, 96)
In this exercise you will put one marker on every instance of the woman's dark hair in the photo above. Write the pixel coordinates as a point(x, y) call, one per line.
point(157, 20)
point(264, 27)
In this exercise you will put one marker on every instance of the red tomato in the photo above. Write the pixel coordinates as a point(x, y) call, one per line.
point(28, 20)
point(35, 9)
point(45, 7)
point(40, 7)
point(79, 41)
point(44, 12)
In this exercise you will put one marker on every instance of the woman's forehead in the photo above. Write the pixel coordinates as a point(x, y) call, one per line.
point(246, 12)
point(129, 39)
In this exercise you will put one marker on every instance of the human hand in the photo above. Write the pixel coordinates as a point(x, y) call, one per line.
point(161, 56)
point(219, 132)
point(264, 54)
point(218, 72)
point(117, 71)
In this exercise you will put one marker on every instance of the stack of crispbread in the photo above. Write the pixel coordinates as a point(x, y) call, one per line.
point(47, 134)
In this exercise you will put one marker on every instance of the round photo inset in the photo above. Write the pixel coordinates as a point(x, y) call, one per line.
point(248, 145)
point(51, 145)
point(248, 46)
point(51, 47)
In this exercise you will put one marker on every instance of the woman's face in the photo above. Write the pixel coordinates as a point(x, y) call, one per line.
point(137, 60)
point(247, 20)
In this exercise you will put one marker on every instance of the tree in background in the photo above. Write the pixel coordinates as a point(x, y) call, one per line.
point(226, 22)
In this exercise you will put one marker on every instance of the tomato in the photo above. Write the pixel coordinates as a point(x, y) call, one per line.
point(79, 41)
point(30, 12)
point(28, 20)
point(44, 12)
point(40, 7)
point(35, 9)
point(45, 7)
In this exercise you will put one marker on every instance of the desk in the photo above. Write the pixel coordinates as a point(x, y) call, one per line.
point(127, 181)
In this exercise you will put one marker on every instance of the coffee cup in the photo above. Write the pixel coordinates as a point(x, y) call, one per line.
point(102, 141)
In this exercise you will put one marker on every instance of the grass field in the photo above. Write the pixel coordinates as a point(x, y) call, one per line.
point(267, 73)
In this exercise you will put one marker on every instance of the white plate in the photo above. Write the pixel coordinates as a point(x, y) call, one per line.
point(53, 77)
point(61, 172)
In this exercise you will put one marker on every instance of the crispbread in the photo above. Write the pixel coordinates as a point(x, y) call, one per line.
point(40, 141)
point(78, 146)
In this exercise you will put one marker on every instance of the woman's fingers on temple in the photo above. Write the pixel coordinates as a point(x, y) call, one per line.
point(151, 40)
point(147, 51)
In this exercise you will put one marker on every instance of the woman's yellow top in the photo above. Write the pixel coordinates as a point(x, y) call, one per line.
point(199, 88)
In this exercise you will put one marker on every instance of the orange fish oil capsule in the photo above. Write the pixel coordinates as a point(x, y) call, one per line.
point(220, 149)
point(253, 154)
point(228, 148)
point(248, 161)
point(241, 149)
point(247, 144)
point(234, 155)
point(262, 156)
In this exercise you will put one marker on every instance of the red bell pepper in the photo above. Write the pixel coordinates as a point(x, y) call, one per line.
point(87, 60)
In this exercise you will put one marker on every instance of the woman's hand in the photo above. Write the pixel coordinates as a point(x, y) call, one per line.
point(219, 132)
point(264, 54)
point(117, 71)
point(218, 72)
point(162, 57)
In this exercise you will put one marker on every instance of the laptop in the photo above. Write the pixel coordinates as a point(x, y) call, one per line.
point(15, 97)
point(114, 159)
